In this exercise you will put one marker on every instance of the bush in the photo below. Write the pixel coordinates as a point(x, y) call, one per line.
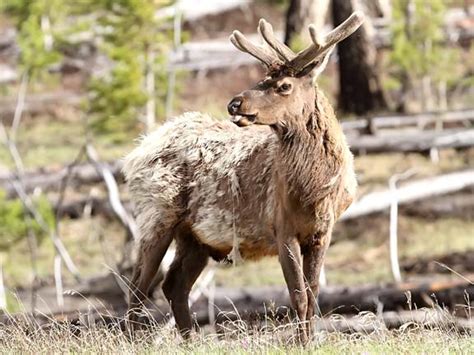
point(15, 221)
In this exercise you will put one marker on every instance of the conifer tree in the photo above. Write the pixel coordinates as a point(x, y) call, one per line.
point(136, 43)
point(420, 59)
point(33, 20)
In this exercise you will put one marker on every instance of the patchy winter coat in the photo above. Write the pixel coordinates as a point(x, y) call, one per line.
point(222, 180)
point(275, 186)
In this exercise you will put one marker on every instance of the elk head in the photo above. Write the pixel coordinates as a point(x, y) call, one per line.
point(287, 92)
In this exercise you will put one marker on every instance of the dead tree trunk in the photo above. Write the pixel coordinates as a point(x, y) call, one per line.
point(360, 88)
point(301, 13)
point(435, 186)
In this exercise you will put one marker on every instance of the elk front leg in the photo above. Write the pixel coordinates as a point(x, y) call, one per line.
point(313, 258)
point(290, 259)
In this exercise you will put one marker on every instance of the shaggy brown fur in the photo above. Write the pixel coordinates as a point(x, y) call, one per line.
point(273, 187)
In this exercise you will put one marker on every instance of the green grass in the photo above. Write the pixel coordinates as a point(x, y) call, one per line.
point(366, 258)
point(266, 271)
point(82, 239)
point(49, 143)
point(373, 171)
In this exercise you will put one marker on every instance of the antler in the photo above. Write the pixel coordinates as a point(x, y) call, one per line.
point(282, 54)
point(322, 45)
point(261, 53)
point(283, 51)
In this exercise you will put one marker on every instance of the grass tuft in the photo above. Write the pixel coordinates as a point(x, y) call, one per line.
point(235, 337)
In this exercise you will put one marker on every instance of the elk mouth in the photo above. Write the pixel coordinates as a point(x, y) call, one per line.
point(243, 120)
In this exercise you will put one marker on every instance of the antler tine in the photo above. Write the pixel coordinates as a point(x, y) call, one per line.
point(322, 45)
point(283, 51)
point(236, 44)
point(259, 52)
point(345, 29)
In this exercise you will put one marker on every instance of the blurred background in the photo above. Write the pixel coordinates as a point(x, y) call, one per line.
point(80, 80)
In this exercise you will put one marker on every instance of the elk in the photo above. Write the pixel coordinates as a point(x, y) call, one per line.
point(272, 180)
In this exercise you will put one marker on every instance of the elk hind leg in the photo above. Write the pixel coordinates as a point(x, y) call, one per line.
point(191, 258)
point(151, 251)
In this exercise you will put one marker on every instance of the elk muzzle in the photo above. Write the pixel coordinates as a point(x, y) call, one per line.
point(238, 116)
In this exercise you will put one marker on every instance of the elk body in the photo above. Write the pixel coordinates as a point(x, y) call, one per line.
point(272, 181)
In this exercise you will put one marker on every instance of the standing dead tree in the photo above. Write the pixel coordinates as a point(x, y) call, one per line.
point(301, 13)
point(273, 188)
point(360, 88)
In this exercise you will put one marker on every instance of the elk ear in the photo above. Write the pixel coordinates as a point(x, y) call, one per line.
point(318, 66)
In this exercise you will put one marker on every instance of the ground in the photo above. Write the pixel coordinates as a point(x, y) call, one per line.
point(236, 341)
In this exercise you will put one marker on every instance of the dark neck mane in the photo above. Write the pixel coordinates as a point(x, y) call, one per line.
point(312, 154)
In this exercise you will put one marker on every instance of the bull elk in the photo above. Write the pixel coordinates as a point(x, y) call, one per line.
point(271, 182)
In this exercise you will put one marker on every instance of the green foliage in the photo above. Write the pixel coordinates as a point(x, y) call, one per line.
point(28, 14)
point(418, 50)
point(118, 99)
point(127, 31)
point(14, 221)
point(33, 56)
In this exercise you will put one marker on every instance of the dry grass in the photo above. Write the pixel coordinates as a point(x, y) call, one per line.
point(235, 338)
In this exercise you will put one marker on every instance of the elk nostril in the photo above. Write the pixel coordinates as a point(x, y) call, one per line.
point(234, 105)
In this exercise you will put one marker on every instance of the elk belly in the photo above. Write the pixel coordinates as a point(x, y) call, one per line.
point(221, 230)
point(213, 227)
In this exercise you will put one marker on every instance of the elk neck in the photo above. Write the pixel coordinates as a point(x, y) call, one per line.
point(312, 153)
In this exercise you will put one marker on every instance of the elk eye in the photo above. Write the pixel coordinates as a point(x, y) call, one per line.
point(284, 87)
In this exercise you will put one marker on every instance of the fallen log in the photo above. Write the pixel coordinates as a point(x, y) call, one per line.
point(450, 294)
point(39, 103)
point(433, 196)
point(418, 120)
point(81, 175)
point(403, 142)
point(461, 262)
point(92, 206)
point(367, 323)
point(458, 205)
point(407, 142)
point(410, 192)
